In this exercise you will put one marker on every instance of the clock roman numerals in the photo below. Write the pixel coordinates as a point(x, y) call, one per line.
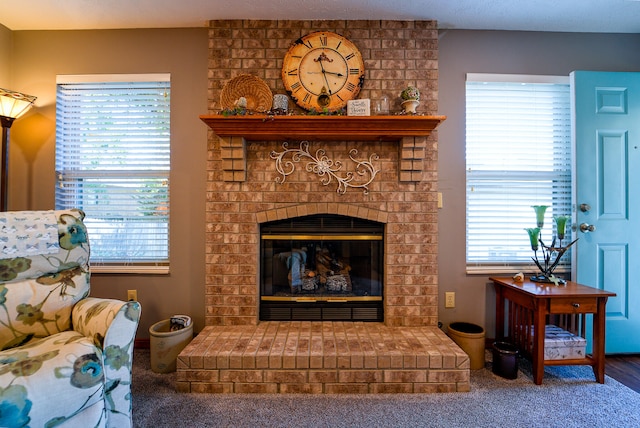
point(350, 86)
point(323, 40)
point(296, 87)
point(354, 71)
point(350, 56)
point(293, 72)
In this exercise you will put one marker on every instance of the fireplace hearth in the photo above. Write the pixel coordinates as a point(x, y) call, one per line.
point(322, 268)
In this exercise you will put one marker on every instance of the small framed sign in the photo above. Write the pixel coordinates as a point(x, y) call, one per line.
point(359, 107)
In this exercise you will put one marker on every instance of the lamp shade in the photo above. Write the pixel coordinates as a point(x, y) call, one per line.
point(13, 104)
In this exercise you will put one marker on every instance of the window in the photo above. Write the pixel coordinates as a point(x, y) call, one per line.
point(113, 162)
point(518, 154)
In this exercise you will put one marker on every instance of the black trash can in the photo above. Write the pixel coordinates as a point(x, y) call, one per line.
point(505, 360)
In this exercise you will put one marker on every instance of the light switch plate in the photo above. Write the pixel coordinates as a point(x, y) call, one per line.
point(449, 299)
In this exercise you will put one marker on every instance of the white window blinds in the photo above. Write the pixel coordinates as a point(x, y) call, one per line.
point(518, 154)
point(113, 162)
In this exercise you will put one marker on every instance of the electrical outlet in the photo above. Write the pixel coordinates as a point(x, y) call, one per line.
point(449, 299)
point(132, 295)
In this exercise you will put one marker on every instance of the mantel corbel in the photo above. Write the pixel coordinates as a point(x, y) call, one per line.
point(410, 132)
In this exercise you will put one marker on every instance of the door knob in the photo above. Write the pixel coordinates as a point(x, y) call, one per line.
point(584, 227)
point(585, 208)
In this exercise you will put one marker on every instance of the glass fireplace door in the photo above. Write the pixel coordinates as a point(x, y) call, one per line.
point(322, 275)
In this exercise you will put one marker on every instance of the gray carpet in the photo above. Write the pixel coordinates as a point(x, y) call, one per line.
point(568, 397)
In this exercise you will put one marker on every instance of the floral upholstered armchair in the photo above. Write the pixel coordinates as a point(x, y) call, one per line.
point(65, 358)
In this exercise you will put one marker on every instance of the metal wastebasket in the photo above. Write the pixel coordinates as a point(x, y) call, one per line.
point(166, 345)
point(469, 337)
point(505, 360)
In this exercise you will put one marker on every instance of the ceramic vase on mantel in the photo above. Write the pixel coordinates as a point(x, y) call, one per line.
point(409, 106)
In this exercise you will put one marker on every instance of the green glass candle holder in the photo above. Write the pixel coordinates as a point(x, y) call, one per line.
point(561, 223)
point(540, 210)
point(534, 236)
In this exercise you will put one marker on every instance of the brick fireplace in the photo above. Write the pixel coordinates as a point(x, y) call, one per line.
point(403, 196)
point(406, 352)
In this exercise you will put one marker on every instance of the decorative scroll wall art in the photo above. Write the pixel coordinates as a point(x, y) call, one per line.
point(327, 169)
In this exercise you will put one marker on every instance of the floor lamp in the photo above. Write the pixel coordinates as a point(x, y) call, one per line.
point(12, 105)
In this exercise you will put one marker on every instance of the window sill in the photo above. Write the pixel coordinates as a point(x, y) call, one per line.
point(528, 269)
point(139, 270)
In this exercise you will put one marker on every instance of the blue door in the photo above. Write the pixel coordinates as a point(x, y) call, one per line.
point(607, 197)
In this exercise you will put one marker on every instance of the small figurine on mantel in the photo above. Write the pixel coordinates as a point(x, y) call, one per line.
point(240, 102)
point(411, 99)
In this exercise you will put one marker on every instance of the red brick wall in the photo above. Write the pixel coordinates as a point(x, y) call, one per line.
point(396, 54)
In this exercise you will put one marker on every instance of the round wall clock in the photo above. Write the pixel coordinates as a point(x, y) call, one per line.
point(323, 70)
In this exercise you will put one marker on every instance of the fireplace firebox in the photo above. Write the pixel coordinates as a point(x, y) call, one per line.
point(322, 268)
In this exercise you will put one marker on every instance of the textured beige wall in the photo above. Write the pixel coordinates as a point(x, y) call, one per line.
point(41, 55)
point(5, 57)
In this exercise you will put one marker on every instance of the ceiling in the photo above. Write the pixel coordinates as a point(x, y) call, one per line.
point(608, 16)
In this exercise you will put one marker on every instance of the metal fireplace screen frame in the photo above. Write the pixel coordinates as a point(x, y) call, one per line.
point(321, 268)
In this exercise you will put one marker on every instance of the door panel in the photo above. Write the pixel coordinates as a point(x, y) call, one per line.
point(612, 164)
point(613, 260)
point(606, 118)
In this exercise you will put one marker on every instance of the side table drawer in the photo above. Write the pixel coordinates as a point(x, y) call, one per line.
point(579, 305)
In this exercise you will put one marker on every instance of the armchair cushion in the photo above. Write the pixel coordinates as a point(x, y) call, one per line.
point(73, 249)
point(64, 370)
point(38, 292)
point(39, 307)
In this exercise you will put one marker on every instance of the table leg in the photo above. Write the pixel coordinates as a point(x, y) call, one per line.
point(537, 357)
point(598, 340)
point(499, 312)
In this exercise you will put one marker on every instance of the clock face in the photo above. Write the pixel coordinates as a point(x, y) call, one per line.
point(323, 70)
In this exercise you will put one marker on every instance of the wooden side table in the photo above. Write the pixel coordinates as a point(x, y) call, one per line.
point(532, 305)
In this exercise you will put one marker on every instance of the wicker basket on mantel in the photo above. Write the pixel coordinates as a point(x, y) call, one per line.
point(253, 89)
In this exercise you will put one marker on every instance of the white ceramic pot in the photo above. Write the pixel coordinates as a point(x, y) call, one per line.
point(410, 106)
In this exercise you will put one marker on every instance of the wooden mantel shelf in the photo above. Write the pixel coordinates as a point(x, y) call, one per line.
point(410, 132)
point(283, 128)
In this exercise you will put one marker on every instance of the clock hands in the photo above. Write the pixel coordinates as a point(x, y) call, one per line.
point(324, 73)
point(322, 58)
point(335, 74)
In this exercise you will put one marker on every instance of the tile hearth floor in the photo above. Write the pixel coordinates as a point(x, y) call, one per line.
point(322, 357)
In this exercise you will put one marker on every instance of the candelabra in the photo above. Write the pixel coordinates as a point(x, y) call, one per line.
point(550, 253)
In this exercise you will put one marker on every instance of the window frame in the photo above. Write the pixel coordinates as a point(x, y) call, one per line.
point(138, 266)
point(515, 264)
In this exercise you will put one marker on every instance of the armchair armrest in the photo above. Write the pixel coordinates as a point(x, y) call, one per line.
point(112, 325)
point(98, 318)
